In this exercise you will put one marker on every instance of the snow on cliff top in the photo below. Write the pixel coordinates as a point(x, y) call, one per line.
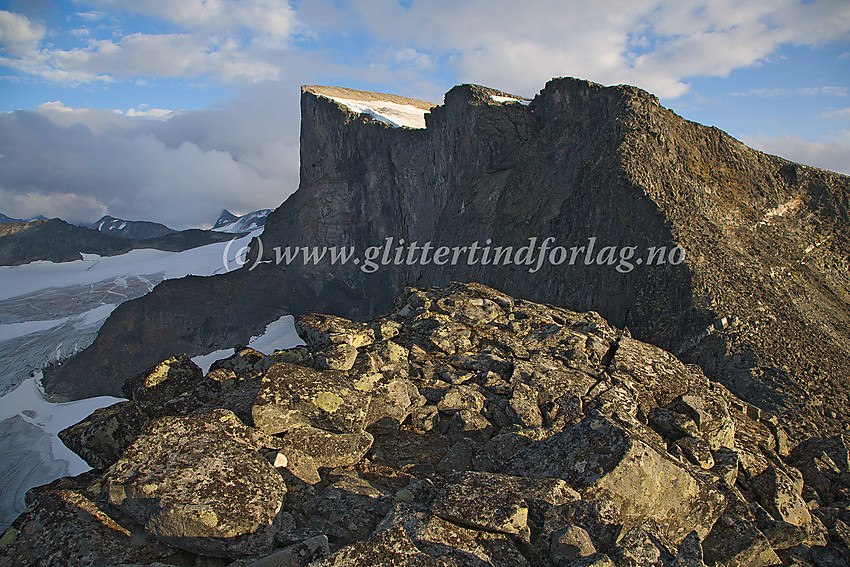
point(397, 111)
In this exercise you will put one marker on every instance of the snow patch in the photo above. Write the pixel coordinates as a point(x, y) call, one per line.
point(781, 210)
point(504, 99)
point(279, 335)
point(394, 114)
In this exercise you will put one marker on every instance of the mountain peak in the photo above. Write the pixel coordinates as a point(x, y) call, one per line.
point(225, 218)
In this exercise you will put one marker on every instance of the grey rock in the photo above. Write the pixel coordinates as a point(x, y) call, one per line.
point(461, 398)
point(390, 548)
point(298, 555)
point(440, 538)
point(457, 458)
point(101, 437)
point(781, 498)
point(328, 449)
point(352, 504)
point(604, 461)
point(336, 357)
point(153, 389)
point(483, 501)
point(198, 483)
point(697, 451)
point(711, 414)
point(595, 560)
point(690, 552)
point(599, 518)
point(643, 545)
point(293, 395)
point(320, 331)
point(735, 541)
point(568, 544)
point(468, 424)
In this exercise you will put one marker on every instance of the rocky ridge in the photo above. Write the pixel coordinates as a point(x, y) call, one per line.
point(761, 302)
point(466, 427)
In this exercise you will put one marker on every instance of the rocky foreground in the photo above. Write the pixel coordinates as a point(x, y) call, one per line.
point(465, 428)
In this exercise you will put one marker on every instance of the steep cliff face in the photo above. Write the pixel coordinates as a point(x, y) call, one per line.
point(759, 300)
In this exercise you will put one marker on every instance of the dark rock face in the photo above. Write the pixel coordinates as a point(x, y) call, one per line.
point(760, 300)
point(537, 437)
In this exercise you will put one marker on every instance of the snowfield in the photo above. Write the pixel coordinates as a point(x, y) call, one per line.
point(49, 311)
point(394, 114)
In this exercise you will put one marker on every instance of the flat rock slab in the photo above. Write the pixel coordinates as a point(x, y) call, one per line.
point(329, 449)
point(292, 395)
point(483, 501)
point(198, 483)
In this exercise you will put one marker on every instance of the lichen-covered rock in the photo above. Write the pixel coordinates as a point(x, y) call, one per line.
point(198, 483)
point(292, 395)
point(505, 434)
point(643, 546)
point(328, 449)
point(781, 497)
point(710, 412)
point(66, 524)
point(353, 504)
point(336, 357)
point(101, 437)
point(568, 544)
point(243, 362)
point(440, 538)
point(154, 388)
point(602, 460)
point(320, 331)
point(483, 501)
point(735, 541)
point(297, 555)
point(390, 548)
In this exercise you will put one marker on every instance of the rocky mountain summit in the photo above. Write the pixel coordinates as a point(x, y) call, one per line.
point(761, 301)
point(465, 428)
point(134, 230)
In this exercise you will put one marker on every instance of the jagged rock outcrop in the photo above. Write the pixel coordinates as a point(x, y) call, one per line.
point(760, 300)
point(525, 435)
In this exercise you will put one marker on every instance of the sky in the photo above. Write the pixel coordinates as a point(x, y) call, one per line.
point(170, 110)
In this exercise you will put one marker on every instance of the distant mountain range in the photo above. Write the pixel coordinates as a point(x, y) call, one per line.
point(24, 241)
point(228, 222)
point(5, 219)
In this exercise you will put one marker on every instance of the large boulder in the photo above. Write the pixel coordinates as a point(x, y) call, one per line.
point(153, 389)
point(292, 395)
point(601, 460)
point(101, 437)
point(200, 484)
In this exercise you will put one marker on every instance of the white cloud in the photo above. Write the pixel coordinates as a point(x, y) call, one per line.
point(274, 18)
point(840, 114)
point(657, 45)
point(18, 35)
point(833, 154)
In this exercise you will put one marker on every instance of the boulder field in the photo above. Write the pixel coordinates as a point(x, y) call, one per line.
point(465, 428)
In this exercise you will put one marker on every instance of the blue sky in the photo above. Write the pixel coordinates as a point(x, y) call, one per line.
point(170, 110)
